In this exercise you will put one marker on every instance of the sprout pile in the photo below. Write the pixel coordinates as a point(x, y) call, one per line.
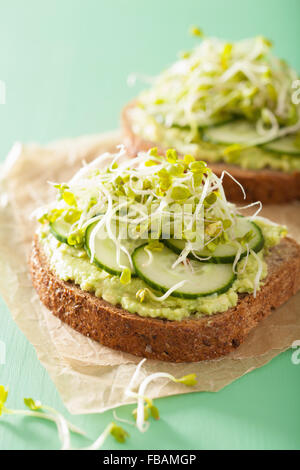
point(219, 81)
point(147, 200)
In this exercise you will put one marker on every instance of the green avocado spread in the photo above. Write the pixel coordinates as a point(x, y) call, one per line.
point(187, 142)
point(72, 264)
point(218, 82)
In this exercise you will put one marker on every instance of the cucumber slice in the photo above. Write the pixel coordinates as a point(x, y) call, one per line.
point(60, 230)
point(106, 254)
point(286, 145)
point(225, 253)
point(205, 279)
point(239, 131)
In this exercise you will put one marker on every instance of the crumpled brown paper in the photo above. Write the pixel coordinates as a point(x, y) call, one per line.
point(90, 377)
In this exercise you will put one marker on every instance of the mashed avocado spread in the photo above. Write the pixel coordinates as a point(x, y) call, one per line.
point(186, 142)
point(215, 84)
point(73, 264)
point(155, 235)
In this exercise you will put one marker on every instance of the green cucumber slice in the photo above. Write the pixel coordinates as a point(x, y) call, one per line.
point(239, 131)
point(106, 254)
point(60, 230)
point(286, 145)
point(205, 279)
point(225, 253)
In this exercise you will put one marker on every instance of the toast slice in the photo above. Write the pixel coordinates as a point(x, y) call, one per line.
point(190, 340)
point(267, 186)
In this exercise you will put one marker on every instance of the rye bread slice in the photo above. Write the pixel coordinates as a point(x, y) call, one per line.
point(190, 340)
point(267, 185)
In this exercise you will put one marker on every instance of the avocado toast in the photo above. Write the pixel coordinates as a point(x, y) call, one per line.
point(148, 257)
point(232, 104)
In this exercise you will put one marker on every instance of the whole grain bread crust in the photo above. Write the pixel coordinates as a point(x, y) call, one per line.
point(267, 185)
point(189, 340)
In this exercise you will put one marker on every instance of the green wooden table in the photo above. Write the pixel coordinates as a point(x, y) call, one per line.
point(65, 64)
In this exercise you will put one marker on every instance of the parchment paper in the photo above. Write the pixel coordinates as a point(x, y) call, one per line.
point(90, 377)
